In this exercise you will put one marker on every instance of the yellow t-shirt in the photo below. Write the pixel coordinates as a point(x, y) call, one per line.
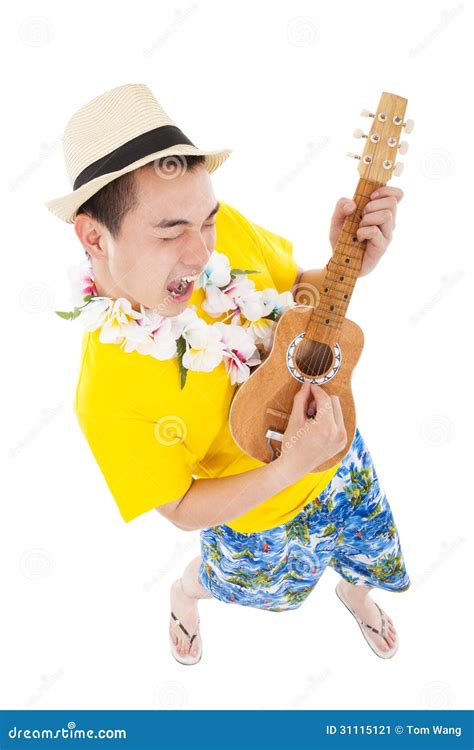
point(149, 437)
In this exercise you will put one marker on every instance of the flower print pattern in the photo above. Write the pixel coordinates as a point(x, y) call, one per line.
point(349, 526)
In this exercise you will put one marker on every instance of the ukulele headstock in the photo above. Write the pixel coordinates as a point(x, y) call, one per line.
point(378, 161)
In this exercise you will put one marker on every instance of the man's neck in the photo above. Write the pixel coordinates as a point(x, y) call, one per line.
point(106, 287)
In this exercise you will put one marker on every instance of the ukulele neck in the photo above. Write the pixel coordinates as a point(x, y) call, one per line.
point(341, 273)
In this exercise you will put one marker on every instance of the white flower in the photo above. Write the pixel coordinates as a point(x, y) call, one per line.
point(204, 348)
point(82, 282)
point(272, 301)
point(239, 291)
point(156, 338)
point(120, 322)
point(179, 323)
point(94, 314)
point(241, 352)
point(216, 272)
point(239, 344)
point(262, 332)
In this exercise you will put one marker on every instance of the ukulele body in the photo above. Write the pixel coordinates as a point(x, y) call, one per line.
point(263, 403)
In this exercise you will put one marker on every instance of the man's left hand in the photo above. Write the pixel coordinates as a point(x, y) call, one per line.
point(376, 226)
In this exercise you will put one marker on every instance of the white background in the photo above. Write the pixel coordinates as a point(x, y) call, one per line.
point(85, 608)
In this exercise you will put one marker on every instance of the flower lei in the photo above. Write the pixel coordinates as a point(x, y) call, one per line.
point(198, 345)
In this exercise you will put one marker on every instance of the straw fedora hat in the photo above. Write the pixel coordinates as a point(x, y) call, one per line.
point(116, 132)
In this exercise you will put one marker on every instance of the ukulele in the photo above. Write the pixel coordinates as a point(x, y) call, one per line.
point(317, 342)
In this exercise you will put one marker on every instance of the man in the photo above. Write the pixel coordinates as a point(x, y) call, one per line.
point(145, 212)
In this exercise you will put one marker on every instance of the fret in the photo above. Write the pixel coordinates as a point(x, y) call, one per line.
point(339, 290)
point(353, 245)
point(345, 265)
point(333, 322)
point(339, 274)
point(333, 289)
point(327, 306)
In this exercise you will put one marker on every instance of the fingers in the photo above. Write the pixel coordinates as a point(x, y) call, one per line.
point(381, 219)
point(323, 401)
point(377, 240)
point(320, 402)
point(384, 191)
point(337, 410)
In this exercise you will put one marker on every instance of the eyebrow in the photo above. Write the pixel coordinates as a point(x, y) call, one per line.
point(168, 223)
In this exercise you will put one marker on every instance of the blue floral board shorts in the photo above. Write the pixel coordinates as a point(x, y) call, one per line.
point(349, 526)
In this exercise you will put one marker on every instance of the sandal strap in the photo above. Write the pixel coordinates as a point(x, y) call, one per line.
point(191, 637)
point(380, 632)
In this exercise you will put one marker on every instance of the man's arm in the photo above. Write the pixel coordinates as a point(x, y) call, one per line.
point(211, 502)
point(313, 277)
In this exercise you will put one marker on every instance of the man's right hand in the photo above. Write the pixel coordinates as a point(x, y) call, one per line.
point(309, 441)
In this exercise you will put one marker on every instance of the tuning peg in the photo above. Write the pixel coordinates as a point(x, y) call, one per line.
point(398, 169)
point(354, 156)
point(358, 133)
point(408, 125)
point(403, 147)
point(366, 113)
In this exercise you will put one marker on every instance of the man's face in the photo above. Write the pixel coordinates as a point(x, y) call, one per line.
point(152, 249)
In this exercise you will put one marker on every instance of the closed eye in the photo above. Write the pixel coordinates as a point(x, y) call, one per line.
point(170, 239)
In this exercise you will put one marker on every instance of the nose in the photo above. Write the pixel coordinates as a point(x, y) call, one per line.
point(197, 254)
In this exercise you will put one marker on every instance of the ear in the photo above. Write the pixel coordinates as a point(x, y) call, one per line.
point(91, 235)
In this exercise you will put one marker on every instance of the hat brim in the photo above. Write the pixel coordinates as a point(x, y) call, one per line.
point(66, 206)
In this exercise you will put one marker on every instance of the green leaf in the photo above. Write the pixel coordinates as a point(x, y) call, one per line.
point(181, 349)
point(235, 271)
point(69, 315)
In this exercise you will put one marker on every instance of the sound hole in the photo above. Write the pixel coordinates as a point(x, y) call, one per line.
point(313, 358)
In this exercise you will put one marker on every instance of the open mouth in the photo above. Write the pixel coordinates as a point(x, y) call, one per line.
point(179, 288)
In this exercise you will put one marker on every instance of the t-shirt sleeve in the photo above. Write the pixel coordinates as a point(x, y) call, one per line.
point(277, 253)
point(144, 462)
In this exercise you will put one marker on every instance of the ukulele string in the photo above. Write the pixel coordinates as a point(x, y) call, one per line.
point(349, 227)
point(353, 224)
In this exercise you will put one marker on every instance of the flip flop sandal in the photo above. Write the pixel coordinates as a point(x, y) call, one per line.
point(381, 632)
point(186, 658)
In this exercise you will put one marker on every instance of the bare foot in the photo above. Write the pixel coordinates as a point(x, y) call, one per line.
point(365, 608)
point(186, 610)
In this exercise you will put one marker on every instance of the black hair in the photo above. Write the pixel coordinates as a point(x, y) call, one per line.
point(110, 204)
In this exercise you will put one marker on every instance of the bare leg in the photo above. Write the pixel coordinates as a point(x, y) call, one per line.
point(359, 599)
point(184, 596)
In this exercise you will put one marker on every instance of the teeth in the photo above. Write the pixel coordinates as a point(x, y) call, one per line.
point(183, 280)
